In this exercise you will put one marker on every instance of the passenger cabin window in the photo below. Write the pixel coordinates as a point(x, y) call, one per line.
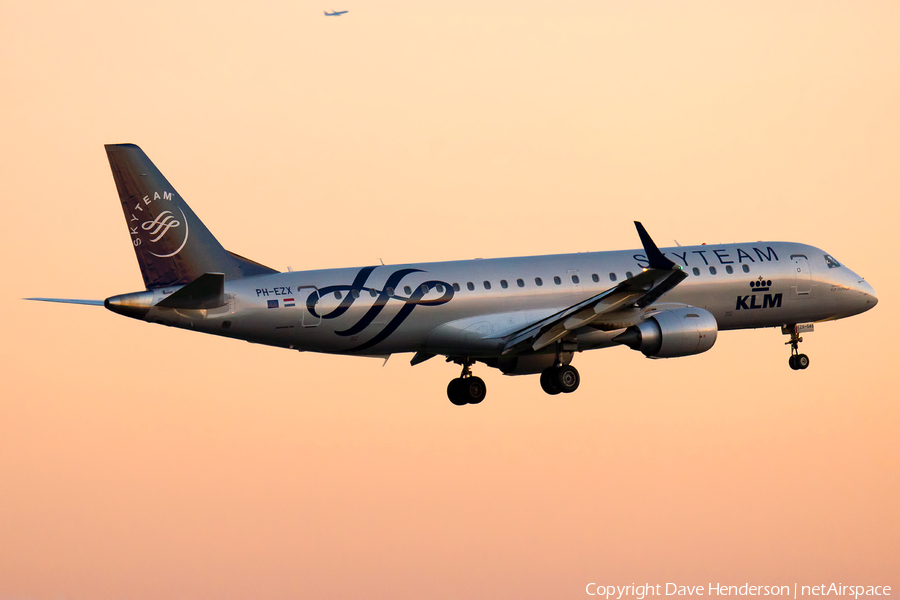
point(425, 288)
point(696, 271)
point(712, 270)
point(471, 286)
point(557, 280)
point(595, 278)
point(575, 279)
point(373, 293)
point(746, 268)
point(355, 294)
point(628, 274)
point(390, 291)
point(729, 270)
point(406, 290)
point(612, 277)
point(455, 287)
point(831, 262)
point(503, 284)
point(487, 285)
point(438, 288)
point(337, 295)
point(520, 283)
point(538, 281)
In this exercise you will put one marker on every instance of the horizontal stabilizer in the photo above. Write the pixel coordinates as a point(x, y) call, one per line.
point(207, 291)
point(69, 301)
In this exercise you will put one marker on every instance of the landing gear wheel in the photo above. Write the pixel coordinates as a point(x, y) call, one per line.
point(567, 379)
point(454, 392)
point(547, 377)
point(474, 390)
point(466, 390)
point(798, 362)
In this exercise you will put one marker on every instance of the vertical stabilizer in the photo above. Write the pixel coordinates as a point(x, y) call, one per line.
point(172, 245)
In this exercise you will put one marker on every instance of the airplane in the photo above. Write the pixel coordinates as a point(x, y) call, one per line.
point(524, 316)
point(336, 13)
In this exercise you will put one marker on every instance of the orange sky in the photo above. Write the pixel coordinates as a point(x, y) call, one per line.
point(143, 462)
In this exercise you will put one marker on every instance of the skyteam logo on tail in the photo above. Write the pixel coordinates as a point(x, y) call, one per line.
point(163, 222)
point(158, 225)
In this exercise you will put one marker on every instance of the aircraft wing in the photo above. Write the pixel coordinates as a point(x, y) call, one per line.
point(615, 308)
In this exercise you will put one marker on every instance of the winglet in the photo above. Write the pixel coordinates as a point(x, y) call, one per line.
point(656, 258)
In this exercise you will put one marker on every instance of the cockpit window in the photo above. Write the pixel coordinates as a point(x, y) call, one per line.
point(831, 262)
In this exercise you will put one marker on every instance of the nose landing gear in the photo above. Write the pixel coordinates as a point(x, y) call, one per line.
point(466, 389)
point(797, 361)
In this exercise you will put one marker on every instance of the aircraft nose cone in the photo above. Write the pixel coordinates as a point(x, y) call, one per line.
point(868, 292)
point(873, 297)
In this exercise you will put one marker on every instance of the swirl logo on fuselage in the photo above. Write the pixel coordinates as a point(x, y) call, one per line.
point(383, 296)
point(159, 225)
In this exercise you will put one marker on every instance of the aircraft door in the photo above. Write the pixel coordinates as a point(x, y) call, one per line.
point(803, 277)
point(305, 294)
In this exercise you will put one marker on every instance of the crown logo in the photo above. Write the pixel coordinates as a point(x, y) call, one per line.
point(761, 285)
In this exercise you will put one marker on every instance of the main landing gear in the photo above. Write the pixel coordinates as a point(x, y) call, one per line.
point(560, 379)
point(797, 361)
point(466, 389)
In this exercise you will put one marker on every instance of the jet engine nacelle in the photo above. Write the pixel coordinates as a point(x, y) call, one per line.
point(673, 332)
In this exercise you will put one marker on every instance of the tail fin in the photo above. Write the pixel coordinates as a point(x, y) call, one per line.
point(172, 245)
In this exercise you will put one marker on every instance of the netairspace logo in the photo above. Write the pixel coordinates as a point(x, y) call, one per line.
point(640, 592)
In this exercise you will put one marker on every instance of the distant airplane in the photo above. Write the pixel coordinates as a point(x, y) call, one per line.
point(522, 316)
point(336, 13)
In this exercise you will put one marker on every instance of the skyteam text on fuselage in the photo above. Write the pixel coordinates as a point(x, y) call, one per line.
point(525, 315)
